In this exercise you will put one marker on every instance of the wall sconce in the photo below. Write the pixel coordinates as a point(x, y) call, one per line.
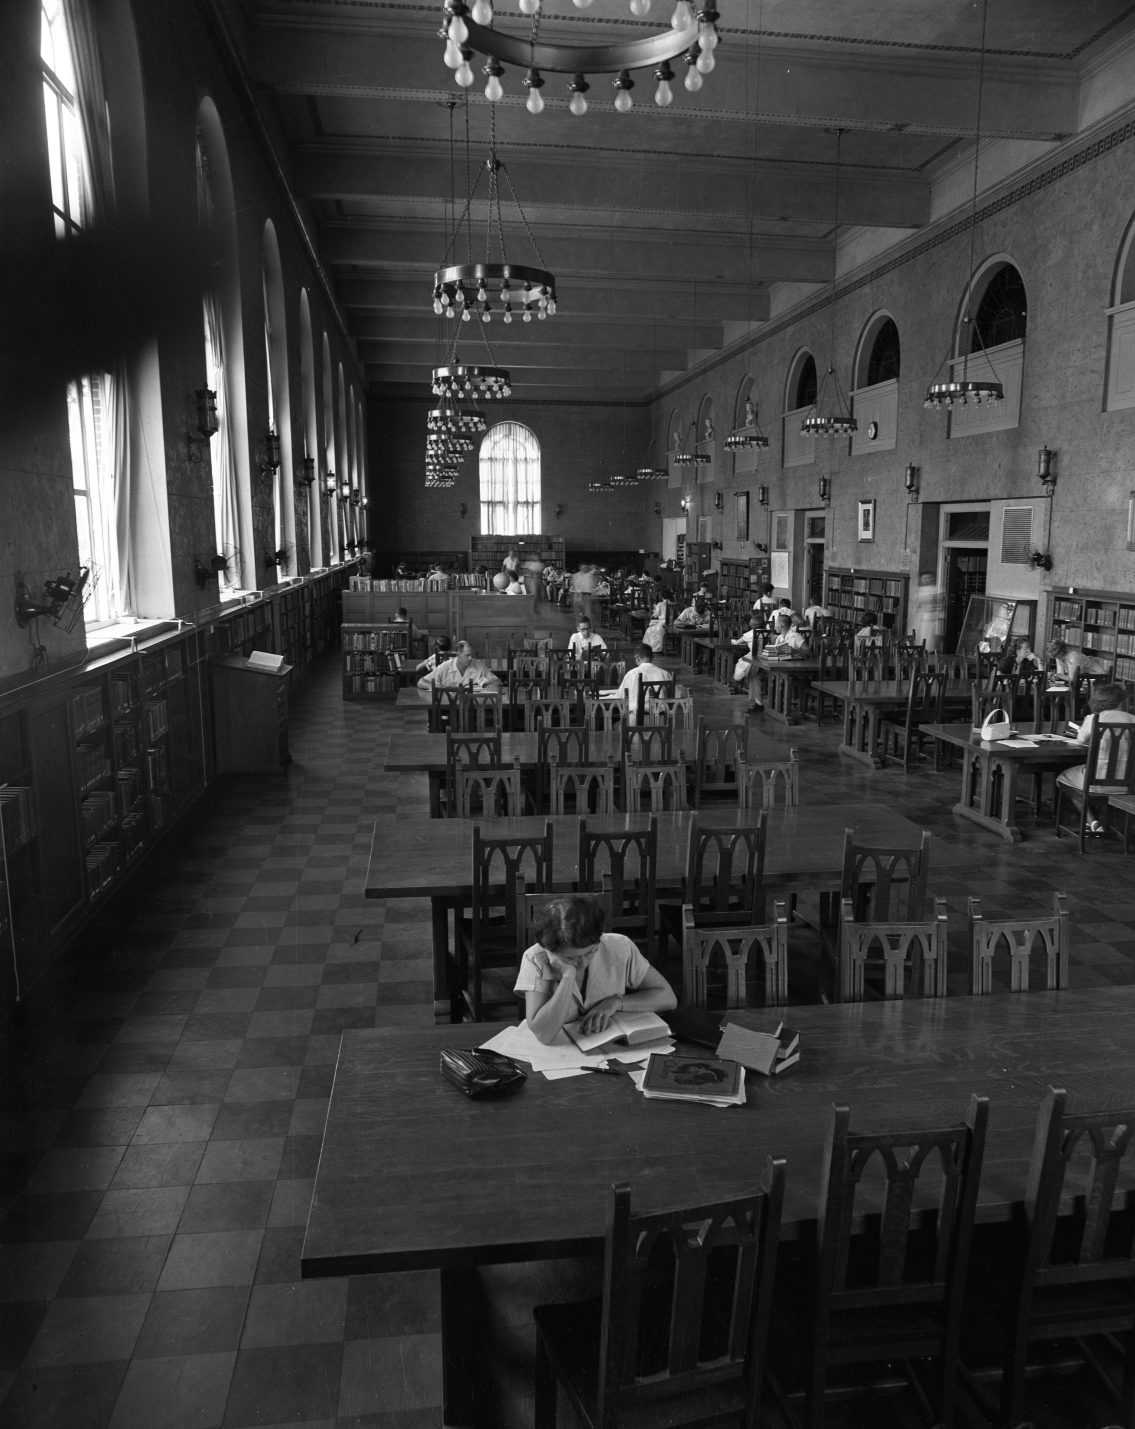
point(463, 510)
point(1046, 470)
point(685, 503)
point(205, 400)
point(308, 477)
point(269, 456)
point(344, 490)
point(559, 509)
point(825, 488)
point(275, 558)
point(330, 484)
point(762, 495)
point(911, 478)
point(1041, 560)
point(356, 497)
point(718, 500)
point(658, 508)
point(716, 546)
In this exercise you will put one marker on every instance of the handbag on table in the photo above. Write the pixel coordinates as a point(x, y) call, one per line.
point(995, 726)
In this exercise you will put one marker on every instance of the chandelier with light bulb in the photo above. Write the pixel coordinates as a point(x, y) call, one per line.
point(461, 380)
point(470, 30)
point(689, 453)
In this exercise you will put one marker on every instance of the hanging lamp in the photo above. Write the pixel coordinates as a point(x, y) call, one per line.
point(959, 390)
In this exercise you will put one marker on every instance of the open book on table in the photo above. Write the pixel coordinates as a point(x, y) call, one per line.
point(626, 1029)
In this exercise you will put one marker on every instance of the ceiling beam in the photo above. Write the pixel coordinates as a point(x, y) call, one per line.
point(590, 330)
point(544, 350)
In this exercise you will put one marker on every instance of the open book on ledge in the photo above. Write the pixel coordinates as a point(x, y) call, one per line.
point(626, 1029)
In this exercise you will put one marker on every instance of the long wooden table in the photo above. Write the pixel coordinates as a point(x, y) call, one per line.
point(865, 709)
point(990, 771)
point(414, 1176)
point(420, 857)
point(788, 679)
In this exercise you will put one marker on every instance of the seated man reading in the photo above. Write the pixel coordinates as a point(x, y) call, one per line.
point(643, 670)
point(577, 971)
point(694, 617)
point(583, 644)
point(463, 671)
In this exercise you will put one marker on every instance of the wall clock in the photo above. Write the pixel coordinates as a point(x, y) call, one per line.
point(872, 431)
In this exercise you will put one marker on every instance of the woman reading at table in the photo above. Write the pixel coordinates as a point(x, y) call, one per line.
point(577, 971)
point(1108, 706)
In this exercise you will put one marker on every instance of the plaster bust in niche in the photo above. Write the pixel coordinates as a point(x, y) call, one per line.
point(750, 413)
point(709, 429)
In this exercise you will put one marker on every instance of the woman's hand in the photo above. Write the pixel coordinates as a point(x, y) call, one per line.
point(563, 966)
point(599, 1017)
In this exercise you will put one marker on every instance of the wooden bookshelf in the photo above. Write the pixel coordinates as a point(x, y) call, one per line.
point(1098, 623)
point(374, 657)
point(850, 592)
point(490, 551)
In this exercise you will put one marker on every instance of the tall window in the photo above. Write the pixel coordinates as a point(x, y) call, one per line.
point(510, 481)
point(90, 398)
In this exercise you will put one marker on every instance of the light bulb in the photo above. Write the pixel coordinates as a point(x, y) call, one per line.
point(453, 54)
point(464, 315)
point(507, 313)
point(527, 312)
point(535, 102)
point(694, 80)
point(464, 74)
point(623, 101)
point(578, 104)
point(482, 12)
point(706, 62)
point(663, 95)
point(438, 308)
point(551, 307)
point(458, 30)
point(581, 4)
point(707, 37)
point(493, 89)
point(529, 7)
point(640, 7)
point(682, 17)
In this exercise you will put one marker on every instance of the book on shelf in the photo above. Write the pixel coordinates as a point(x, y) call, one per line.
point(625, 1029)
point(762, 1050)
point(671, 1077)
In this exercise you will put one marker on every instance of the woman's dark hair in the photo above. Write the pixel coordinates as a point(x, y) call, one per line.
point(443, 642)
point(1108, 695)
point(574, 921)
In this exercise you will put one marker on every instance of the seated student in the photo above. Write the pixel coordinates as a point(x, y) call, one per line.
point(577, 971)
point(815, 612)
point(643, 669)
point(655, 633)
point(442, 651)
point(787, 636)
point(400, 616)
point(1018, 659)
point(583, 644)
point(1065, 664)
point(514, 587)
point(1108, 705)
point(462, 670)
point(763, 606)
point(870, 634)
point(746, 642)
point(694, 617)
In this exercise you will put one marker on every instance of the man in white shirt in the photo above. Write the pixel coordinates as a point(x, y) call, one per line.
point(462, 670)
point(584, 645)
point(643, 670)
point(694, 617)
point(514, 587)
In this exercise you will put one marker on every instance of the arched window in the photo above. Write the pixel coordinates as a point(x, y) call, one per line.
point(875, 394)
point(510, 481)
point(991, 346)
point(330, 471)
point(1002, 313)
point(279, 401)
point(799, 394)
point(1121, 328)
point(224, 354)
point(310, 437)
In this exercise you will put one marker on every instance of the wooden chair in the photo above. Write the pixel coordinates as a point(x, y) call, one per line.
point(865, 674)
point(578, 689)
point(582, 788)
point(679, 1337)
point(885, 884)
point(444, 711)
point(1037, 948)
point(718, 750)
point(483, 750)
point(480, 710)
point(893, 1289)
point(759, 953)
point(676, 712)
point(502, 867)
point(488, 793)
point(647, 691)
point(834, 665)
point(758, 783)
point(1109, 769)
point(913, 952)
point(625, 864)
point(558, 713)
point(605, 717)
point(923, 706)
point(647, 744)
point(654, 788)
point(1075, 1275)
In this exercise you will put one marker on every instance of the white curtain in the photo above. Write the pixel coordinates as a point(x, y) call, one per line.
point(224, 468)
point(510, 481)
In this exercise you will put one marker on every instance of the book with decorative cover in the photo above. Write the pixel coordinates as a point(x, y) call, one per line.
point(709, 1079)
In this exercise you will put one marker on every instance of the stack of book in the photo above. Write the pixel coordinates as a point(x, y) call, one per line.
point(715, 1081)
point(768, 1053)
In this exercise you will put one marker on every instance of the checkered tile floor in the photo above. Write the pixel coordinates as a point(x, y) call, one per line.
point(165, 1091)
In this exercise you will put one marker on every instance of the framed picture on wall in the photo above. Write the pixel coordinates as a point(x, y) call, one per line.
point(866, 520)
point(742, 531)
